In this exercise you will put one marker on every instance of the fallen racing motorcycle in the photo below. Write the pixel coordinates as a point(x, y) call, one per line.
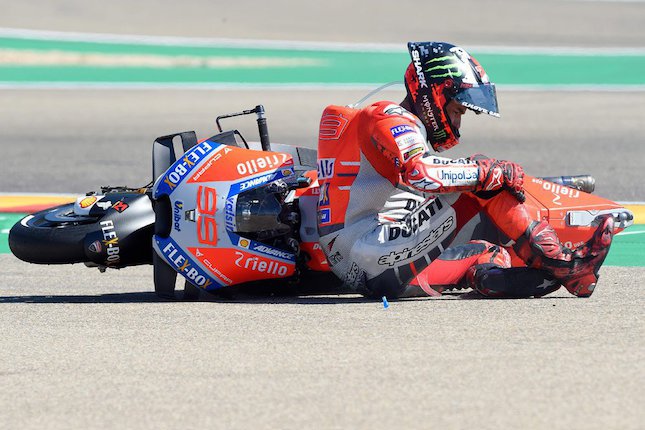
point(223, 213)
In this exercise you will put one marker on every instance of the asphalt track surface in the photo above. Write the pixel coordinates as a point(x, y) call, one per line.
point(83, 349)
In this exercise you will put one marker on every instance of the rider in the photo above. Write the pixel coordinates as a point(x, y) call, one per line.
point(389, 207)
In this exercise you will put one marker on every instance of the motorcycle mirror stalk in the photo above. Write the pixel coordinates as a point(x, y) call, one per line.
point(263, 129)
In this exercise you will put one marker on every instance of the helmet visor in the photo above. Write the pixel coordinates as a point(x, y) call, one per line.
point(481, 98)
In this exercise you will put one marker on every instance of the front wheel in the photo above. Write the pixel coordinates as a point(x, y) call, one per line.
point(52, 236)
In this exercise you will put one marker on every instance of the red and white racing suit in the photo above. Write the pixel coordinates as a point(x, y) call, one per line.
point(388, 207)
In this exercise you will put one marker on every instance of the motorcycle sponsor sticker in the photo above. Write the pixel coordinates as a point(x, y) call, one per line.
point(399, 130)
point(95, 247)
point(105, 205)
point(87, 202)
point(110, 242)
point(261, 248)
point(207, 164)
point(185, 265)
point(560, 190)
point(256, 182)
point(260, 180)
point(261, 164)
point(229, 213)
point(242, 163)
point(120, 206)
point(182, 168)
point(326, 168)
point(176, 214)
point(260, 264)
point(415, 221)
point(235, 265)
point(249, 184)
point(396, 257)
point(270, 251)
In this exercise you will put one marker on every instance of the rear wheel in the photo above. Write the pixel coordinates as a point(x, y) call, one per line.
point(52, 236)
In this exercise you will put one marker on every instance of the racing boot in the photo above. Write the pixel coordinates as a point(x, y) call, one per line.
point(510, 282)
point(576, 270)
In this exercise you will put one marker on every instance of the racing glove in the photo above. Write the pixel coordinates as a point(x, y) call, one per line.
point(500, 175)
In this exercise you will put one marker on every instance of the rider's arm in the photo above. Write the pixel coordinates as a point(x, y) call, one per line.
point(401, 141)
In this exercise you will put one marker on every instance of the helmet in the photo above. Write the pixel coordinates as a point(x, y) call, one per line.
point(440, 72)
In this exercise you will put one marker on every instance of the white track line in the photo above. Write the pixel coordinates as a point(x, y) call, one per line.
point(237, 86)
point(297, 45)
point(627, 233)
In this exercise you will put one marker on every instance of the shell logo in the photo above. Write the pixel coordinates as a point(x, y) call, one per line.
point(87, 202)
point(244, 243)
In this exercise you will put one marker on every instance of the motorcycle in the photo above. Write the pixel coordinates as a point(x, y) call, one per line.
point(226, 213)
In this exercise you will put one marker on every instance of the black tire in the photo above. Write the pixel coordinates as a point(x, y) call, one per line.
point(52, 236)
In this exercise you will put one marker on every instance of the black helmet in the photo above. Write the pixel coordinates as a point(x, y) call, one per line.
point(440, 72)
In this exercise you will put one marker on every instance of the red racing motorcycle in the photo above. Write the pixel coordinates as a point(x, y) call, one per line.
point(225, 213)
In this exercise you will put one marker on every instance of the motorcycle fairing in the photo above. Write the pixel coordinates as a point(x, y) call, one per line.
point(574, 214)
point(176, 174)
point(184, 264)
point(202, 187)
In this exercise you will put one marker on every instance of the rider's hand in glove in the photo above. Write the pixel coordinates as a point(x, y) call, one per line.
point(500, 174)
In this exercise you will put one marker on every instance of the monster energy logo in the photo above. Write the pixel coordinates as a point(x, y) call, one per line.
point(439, 135)
point(442, 67)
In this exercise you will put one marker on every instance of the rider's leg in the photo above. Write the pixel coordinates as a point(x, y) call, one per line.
point(538, 245)
point(484, 267)
point(454, 267)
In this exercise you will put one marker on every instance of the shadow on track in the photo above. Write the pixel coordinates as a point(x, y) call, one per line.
point(150, 297)
point(334, 298)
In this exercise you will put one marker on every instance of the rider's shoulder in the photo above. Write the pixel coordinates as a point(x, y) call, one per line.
point(384, 109)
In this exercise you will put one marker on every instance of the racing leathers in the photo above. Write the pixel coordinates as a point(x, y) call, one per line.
point(388, 208)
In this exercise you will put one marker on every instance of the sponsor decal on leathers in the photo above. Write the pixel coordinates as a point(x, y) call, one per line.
point(402, 129)
point(395, 257)
point(355, 277)
point(326, 168)
point(416, 220)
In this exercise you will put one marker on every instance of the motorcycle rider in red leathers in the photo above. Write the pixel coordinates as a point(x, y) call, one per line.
point(389, 208)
